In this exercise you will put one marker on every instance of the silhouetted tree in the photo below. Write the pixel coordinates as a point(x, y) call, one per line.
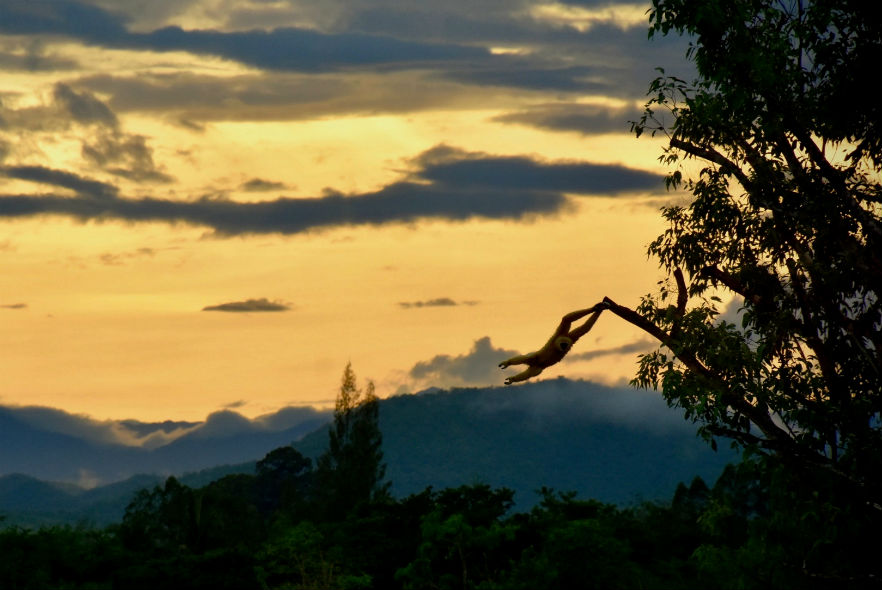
point(163, 519)
point(786, 217)
point(284, 478)
point(351, 472)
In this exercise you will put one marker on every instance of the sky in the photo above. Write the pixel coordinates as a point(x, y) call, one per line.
point(218, 204)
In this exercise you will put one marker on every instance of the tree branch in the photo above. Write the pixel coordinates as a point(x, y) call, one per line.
point(730, 281)
point(716, 158)
point(775, 435)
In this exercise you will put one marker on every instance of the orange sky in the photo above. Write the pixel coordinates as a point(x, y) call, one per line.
point(418, 190)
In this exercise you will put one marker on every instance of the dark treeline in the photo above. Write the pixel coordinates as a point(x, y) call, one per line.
point(277, 530)
point(333, 524)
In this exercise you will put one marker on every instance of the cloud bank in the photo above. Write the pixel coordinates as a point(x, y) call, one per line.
point(151, 435)
point(448, 184)
point(287, 48)
point(479, 366)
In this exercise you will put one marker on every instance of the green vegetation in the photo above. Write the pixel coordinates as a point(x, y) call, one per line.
point(290, 525)
point(786, 213)
point(778, 141)
point(266, 531)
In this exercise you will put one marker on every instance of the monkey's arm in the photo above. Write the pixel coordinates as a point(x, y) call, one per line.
point(518, 360)
point(524, 375)
point(581, 313)
point(584, 328)
point(565, 322)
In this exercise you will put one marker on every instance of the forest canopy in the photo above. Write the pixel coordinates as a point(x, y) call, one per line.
point(777, 143)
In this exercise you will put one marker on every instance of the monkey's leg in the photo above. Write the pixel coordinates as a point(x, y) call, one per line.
point(517, 360)
point(524, 375)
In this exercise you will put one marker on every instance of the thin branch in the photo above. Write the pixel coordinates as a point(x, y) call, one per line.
point(716, 158)
point(732, 283)
point(775, 435)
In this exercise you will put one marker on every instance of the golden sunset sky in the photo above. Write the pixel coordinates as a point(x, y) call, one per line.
point(211, 204)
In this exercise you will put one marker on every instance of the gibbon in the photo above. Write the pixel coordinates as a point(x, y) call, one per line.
point(557, 346)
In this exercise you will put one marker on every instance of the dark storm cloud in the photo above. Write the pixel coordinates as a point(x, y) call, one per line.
point(581, 118)
point(60, 17)
point(446, 165)
point(479, 366)
point(278, 49)
point(451, 40)
point(260, 305)
point(14, 306)
point(438, 302)
point(401, 202)
point(449, 184)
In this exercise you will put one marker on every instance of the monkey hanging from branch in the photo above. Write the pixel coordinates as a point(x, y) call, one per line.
point(557, 346)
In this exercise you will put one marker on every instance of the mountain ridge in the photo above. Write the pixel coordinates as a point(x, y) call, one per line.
point(612, 444)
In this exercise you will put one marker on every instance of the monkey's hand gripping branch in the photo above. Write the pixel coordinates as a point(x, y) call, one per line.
point(757, 414)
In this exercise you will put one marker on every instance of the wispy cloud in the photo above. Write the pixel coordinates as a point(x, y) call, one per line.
point(84, 107)
point(259, 184)
point(126, 155)
point(104, 144)
point(259, 305)
point(643, 345)
point(438, 302)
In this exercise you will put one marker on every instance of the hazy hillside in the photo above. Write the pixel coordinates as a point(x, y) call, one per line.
point(612, 444)
point(53, 445)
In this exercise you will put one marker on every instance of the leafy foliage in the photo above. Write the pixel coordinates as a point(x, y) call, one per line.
point(351, 472)
point(786, 216)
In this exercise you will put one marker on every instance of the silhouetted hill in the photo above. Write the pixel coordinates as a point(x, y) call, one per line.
point(225, 437)
point(613, 444)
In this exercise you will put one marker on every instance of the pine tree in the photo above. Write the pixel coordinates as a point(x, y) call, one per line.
point(351, 471)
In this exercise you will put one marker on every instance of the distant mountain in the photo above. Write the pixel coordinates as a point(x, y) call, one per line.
point(52, 445)
point(613, 444)
point(27, 501)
